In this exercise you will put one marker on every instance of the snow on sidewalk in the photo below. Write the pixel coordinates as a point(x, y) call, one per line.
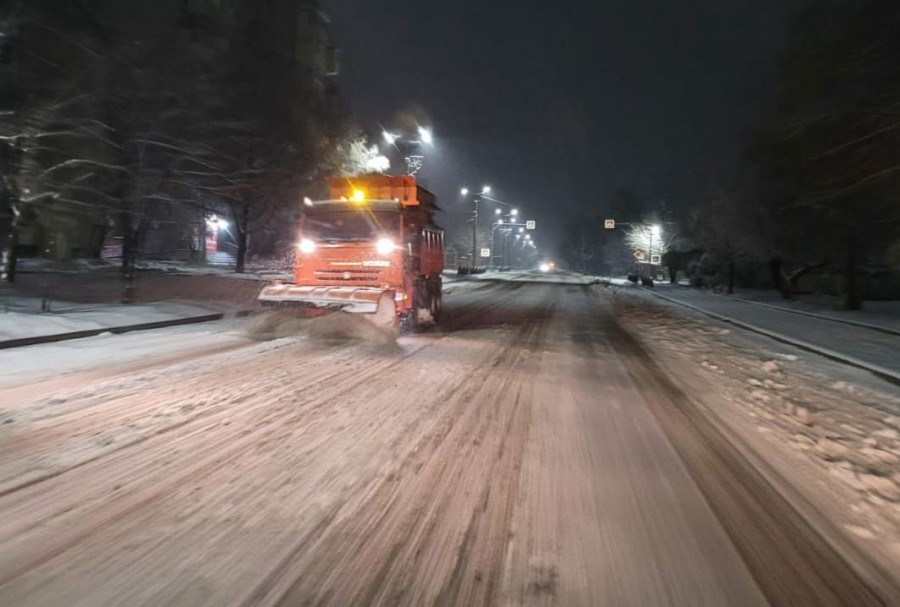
point(258, 272)
point(22, 317)
point(880, 350)
point(19, 366)
point(884, 314)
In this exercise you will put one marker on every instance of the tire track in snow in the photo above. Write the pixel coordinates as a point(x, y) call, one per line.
point(227, 447)
point(398, 537)
point(790, 560)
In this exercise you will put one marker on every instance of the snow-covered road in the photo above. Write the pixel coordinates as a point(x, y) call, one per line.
point(530, 452)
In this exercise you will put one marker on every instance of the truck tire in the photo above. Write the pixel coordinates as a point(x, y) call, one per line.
point(437, 301)
point(421, 313)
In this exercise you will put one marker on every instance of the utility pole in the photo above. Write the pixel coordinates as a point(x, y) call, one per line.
point(475, 235)
point(506, 250)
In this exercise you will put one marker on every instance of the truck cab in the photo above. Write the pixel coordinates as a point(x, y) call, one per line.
point(373, 239)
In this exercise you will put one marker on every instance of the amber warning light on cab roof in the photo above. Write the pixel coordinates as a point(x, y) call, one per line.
point(374, 187)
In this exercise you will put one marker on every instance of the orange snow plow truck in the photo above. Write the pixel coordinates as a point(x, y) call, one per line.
point(372, 248)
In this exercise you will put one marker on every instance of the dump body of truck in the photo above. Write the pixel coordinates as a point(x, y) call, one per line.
point(371, 248)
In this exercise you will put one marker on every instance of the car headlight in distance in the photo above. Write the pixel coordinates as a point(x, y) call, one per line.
point(306, 245)
point(545, 267)
point(384, 246)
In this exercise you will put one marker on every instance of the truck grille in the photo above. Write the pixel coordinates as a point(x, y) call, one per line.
point(366, 275)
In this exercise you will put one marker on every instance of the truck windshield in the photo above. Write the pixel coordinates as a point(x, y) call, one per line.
point(350, 225)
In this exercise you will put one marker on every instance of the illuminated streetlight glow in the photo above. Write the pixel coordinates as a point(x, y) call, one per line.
point(655, 230)
point(514, 212)
point(390, 138)
point(426, 135)
point(497, 211)
point(485, 190)
point(216, 223)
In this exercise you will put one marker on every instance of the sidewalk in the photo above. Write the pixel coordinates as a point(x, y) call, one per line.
point(21, 317)
point(873, 349)
point(879, 313)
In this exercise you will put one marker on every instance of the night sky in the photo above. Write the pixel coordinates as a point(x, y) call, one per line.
point(558, 104)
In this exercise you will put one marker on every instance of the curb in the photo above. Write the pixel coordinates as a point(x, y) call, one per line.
point(845, 321)
point(159, 324)
point(880, 372)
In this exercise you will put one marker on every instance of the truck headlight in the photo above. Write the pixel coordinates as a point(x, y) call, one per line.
point(385, 246)
point(306, 246)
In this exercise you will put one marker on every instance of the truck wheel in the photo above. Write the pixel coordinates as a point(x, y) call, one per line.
point(421, 312)
point(437, 303)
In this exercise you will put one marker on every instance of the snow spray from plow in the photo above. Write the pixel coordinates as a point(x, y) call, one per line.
point(325, 330)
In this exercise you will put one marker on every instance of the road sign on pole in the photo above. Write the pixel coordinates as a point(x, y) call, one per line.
point(485, 252)
point(655, 259)
point(609, 224)
point(529, 225)
point(638, 254)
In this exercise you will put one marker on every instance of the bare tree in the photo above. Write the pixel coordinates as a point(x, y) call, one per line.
point(650, 238)
point(826, 153)
point(581, 249)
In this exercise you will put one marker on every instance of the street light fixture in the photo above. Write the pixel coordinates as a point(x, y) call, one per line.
point(655, 230)
point(390, 138)
point(425, 134)
point(465, 192)
point(484, 190)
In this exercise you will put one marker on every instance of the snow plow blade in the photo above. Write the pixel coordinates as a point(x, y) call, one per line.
point(377, 305)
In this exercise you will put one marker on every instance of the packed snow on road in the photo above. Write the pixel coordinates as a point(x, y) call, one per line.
point(551, 441)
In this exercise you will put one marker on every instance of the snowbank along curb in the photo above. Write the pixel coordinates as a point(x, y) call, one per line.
point(881, 372)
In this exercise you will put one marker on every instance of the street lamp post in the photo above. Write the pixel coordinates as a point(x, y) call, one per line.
point(655, 230)
point(497, 226)
point(506, 224)
point(465, 192)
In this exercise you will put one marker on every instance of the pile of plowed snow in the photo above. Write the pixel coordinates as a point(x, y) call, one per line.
point(338, 328)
